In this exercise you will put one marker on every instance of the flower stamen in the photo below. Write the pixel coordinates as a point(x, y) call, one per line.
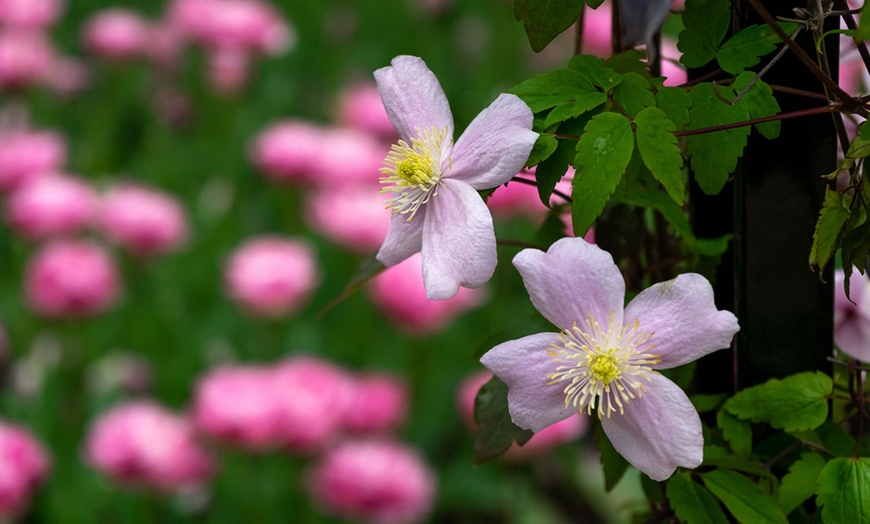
point(603, 368)
point(412, 172)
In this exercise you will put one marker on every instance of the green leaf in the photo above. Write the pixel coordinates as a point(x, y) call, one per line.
point(675, 102)
point(713, 156)
point(603, 153)
point(692, 503)
point(658, 149)
point(742, 51)
point(759, 103)
point(675, 215)
point(799, 483)
point(551, 89)
point(544, 20)
point(723, 458)
point(844, 491)
point(550, 171)
point(704, 403)
point(633, 94)
point(795, 403)
point(583, 101)
point(631, 61)
point(544, 146)
point(705, 24)
point(612, 462)
point(595, 70)
point(737, 432)
point(829, 228)
point(864, 25)
point(743, 498)
point(713, 247)
point(495, 432)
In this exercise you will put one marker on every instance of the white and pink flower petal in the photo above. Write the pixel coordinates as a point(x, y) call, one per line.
point(404, 238)
point(525, 366)
point(659, 431)
point(458, 241)
point(496, 144)
point(413, 97)
point(572, 280)
point(683, 321)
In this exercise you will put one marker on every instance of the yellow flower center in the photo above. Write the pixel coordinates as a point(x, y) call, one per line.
point(603, 368)
point(412, 172)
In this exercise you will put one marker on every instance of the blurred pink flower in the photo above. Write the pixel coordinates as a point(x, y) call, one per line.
point(142, 443)
point(238, 404)
point(541, 442)
point(142, 220)
point(352, 216)
point(852, 320)
point(399, 293)
point(517, 198)
point(598, 31)
point(51, 205)
point(30, 14)
point(117, 33)
point(360, 107)
point(671, 68)
point(24, 464)
point(378, 404)
point(374, 481)
point(348, 156)
point(249, 25)
point(228, 69)
point(25, 59)
point(71, 278)
point(272, 276)
point(26, 154)
point(67, 76)
point(288, 151)
point(436, 208)
point(312, 396)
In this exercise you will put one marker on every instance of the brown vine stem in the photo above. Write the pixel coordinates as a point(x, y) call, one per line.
point(725, 127)
point(528, 182)
point(851, 24)
point(850, 104)
point(798, 92)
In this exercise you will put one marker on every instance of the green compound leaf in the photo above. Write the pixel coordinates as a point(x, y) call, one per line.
point(603, 153)
point(595, 70)
point(658, 149)
point(544, 20)
point(795, 403)
point(743, 498)
point(829, 228)
point(743, 50)
point(737, 432)
point(844, 490)
point(692, 503)
point(544, 146)
point(675, 102)
point(704, 403)
point(495, 432)
point(799, 483)
point(552, 89)
point(705, 25)
point(633, 94)
point(551, 170)
point(759, 103)
point(713, 156)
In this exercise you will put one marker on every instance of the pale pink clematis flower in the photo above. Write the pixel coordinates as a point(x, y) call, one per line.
point(374, 481)
point(607, 356)
point(434, 182)
point(852, 320)
point(24, 465)
point(143, 443)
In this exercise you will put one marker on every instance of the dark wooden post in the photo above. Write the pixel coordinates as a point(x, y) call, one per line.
point(785, 310)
